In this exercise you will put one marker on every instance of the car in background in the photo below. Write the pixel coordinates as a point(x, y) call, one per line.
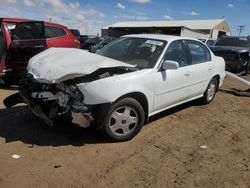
point(96, 43)
point(21, 39)
point(208, 42)
point(120, 87)
point(84, 38)
point(103, 43)
point(236, 52)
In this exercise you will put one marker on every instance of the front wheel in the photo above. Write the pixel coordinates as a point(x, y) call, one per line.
point(123, 120)
point(210, 92)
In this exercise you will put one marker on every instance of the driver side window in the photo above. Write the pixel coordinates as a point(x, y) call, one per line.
point(176, 52)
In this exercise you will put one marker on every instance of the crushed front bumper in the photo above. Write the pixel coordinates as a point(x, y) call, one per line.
point(49, 110)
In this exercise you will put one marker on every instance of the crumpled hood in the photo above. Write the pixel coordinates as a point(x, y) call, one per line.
point(59, 64)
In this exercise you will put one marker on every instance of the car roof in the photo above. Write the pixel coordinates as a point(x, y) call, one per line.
point(160, 37)
point(19, 20)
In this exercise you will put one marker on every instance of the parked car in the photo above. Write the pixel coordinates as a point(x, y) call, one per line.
point(208, 42)
point(103, 43)
point(235, 50)
point(96, 43)
point(84, 38)
point(128, 81)
point(21, 39)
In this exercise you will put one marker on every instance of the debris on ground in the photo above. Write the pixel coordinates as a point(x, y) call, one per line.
point(203, 147)
point(237, 92)
point(15, 156)
point(57, 166)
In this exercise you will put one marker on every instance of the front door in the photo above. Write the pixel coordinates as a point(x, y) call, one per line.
point(27, 40)
point(2, 49)
point(173, 86)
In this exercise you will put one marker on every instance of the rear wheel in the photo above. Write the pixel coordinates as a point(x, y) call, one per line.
point(123, 120)
point(210, 92)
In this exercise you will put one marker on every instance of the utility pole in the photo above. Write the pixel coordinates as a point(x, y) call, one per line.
point(241, 28)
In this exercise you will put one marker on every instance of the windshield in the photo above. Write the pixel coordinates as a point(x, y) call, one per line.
point(233, 41)
point(140, 52)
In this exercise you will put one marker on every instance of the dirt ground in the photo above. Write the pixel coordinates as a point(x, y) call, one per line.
point(188, 146)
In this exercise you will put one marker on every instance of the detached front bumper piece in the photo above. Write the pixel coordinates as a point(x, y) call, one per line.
point(12, 100)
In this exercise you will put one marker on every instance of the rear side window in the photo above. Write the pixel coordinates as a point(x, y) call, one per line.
point(199, 52)
point(26, 30)
point(53, 32)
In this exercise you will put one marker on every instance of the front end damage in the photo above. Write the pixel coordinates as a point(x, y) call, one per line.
point(53, 102)
point(236, 61)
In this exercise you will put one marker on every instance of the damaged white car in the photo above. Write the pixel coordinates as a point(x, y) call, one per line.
point(119, 88)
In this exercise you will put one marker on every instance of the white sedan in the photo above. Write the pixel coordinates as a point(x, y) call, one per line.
point(120, 87)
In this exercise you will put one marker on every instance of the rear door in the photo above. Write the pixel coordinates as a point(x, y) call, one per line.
point(202, 66)
point(27, 40)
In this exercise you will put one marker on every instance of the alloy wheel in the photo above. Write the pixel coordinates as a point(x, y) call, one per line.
point(123, 120)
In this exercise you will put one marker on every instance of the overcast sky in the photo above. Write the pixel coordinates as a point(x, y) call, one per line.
point(91, 15)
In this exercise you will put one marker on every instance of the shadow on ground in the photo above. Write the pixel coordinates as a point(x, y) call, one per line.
point(20, 124)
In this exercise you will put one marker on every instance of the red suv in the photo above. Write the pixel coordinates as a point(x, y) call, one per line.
point(21, 39)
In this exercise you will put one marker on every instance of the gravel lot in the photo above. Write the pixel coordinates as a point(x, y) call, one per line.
point(167, 152)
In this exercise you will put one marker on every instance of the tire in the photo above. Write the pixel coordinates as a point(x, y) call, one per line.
point(247, 68)
point(123, 120)
point(210, 92)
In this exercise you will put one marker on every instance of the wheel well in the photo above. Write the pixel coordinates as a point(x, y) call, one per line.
point(217, 77)
point(141, 98)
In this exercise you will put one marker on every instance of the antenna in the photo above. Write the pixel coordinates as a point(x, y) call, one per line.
point(241, 28)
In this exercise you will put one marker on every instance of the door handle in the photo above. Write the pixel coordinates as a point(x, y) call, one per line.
point(39, 46)
point(210, 68)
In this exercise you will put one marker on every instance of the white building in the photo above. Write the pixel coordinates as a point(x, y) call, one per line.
point(187, 28)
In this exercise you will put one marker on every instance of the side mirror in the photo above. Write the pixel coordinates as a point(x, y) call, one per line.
point(169, 64)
